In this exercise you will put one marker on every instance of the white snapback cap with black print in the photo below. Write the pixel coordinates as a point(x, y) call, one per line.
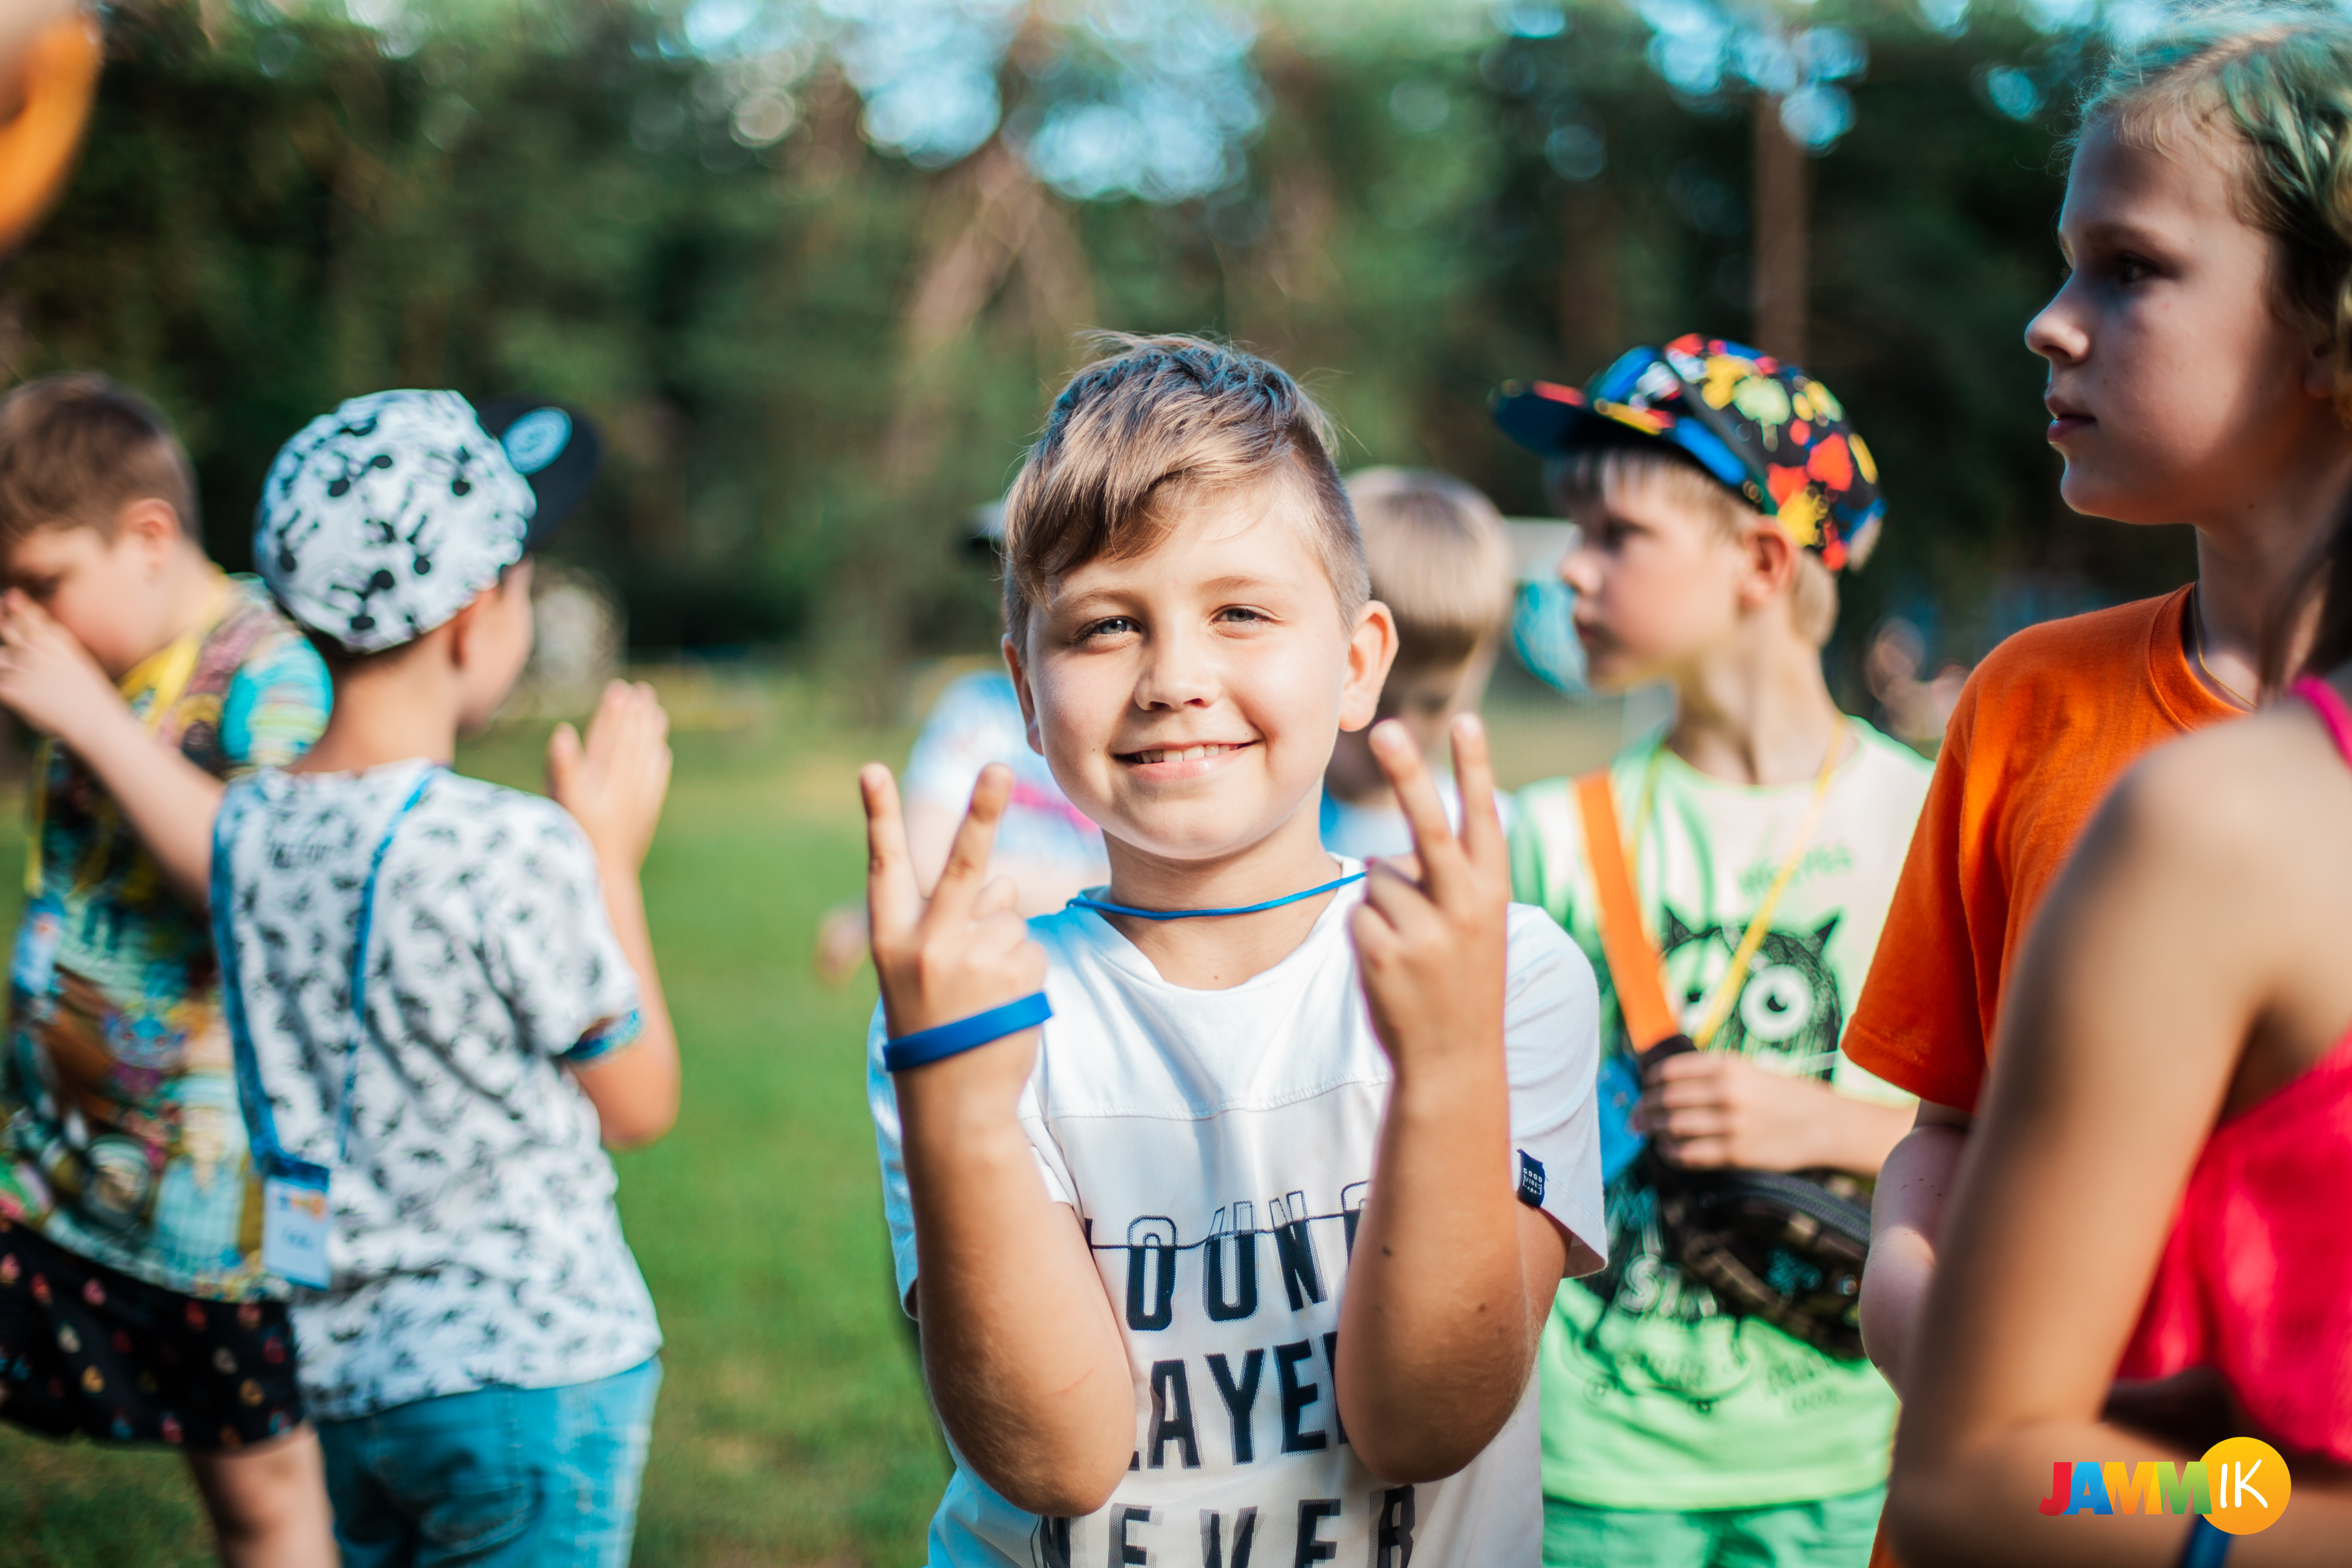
point(381, 521)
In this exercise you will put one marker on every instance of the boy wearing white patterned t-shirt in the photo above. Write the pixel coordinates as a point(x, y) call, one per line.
point(442, 996)
point(1246, 1248)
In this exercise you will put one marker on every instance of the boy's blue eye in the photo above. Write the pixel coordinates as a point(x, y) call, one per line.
point(1113, 626)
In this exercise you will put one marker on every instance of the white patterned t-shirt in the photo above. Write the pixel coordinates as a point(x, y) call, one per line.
point(475, 1241)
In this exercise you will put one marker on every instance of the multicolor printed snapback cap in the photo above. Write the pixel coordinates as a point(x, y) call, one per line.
point(1773, 434)
point(381, 521)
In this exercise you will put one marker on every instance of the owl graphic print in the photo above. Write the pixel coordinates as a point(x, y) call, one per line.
point(1643, 1365)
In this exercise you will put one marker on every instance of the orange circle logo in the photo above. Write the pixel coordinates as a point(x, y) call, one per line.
point(2250, 1485)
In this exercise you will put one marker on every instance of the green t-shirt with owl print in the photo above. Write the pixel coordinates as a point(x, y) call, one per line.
point(1654, 1395)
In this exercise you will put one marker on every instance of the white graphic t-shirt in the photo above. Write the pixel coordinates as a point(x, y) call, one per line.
point(475, 1241)
point(1218, 1146)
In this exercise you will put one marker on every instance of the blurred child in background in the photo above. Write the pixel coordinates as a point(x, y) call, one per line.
point(133, 1303)
point(1695, 1414)
point(1043, 844)
point(2200, 372)
point(443, 993)
point(1441, 563)
point(1050, 851)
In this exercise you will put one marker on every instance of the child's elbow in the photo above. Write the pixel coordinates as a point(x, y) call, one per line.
point(1072, 1490)
point(1416, 1458)
point(634, 1126)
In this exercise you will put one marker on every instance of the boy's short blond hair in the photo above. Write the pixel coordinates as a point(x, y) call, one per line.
point(1583, 481)
point(1440, 560)
point(76, 449)
point(1159, 423)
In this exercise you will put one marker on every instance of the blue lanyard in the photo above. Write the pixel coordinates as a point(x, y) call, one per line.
point(1083, 902)
point(261, 1124)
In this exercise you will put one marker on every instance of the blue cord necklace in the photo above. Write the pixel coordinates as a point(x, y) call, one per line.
point(1083, 902)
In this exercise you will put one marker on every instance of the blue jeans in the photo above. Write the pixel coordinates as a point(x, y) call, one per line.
point(499, 1478)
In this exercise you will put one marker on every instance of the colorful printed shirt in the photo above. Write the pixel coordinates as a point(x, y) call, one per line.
point(1654, 1395)
point(474, 1237)
point(122, 1141)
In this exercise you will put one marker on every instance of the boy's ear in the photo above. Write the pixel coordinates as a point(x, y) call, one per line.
point(151, 524)
point(1771, 564)
point(468, 621)
point(1013, 662)
point(1371, 649)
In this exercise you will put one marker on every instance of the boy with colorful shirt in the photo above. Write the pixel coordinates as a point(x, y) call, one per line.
point(1717, 490)
point(133, 1304)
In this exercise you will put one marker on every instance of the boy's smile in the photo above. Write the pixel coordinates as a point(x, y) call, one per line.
point(1177, 760)
point(1187, 696)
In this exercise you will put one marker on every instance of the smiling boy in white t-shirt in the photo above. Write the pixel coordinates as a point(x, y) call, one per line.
point(1245, 1251)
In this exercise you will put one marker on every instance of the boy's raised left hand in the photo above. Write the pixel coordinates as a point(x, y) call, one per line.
point(1432, 949)
point(46, 676)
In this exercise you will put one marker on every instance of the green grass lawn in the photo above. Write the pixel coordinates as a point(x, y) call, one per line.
point(792, 1429)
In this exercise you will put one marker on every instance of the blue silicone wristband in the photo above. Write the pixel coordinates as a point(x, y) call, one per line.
point(2208, 1546)
point(927, 1045)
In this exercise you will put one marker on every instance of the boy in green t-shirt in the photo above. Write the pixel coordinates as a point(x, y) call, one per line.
point(1717, 492)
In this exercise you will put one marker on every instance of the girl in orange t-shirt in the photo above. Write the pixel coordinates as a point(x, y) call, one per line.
point(2200, 371)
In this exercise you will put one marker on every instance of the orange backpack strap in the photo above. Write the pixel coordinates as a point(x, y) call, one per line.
point(1633, 960)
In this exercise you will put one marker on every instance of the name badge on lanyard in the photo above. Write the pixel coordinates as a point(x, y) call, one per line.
point(294, 1224)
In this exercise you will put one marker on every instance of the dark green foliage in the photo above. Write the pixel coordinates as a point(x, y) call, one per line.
point(279, 214)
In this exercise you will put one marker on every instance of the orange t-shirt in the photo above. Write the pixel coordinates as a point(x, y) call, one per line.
point(2046, 724)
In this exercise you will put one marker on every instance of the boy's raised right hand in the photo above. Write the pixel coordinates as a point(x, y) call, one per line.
point(47, 677)
point(1020, 1347)
point(963, 950)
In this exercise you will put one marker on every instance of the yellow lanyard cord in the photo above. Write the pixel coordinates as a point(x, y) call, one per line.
point(1726, 989)
point(166, 673)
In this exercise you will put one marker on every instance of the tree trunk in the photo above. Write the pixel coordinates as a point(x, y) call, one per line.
point(1784, 176)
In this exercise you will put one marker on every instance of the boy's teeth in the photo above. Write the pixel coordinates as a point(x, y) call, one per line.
point(1186, 754)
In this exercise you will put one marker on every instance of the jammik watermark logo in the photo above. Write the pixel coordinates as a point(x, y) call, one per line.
point(2241, 1485)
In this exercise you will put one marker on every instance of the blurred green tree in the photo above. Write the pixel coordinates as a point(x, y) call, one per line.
point(818, 264)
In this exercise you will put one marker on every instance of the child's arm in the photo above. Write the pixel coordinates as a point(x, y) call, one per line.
point(48, 679)
point(1905, 1213)
point(2134, 1009)
point(1023, 1356)
point(1452, 1276)
point(613, 786)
